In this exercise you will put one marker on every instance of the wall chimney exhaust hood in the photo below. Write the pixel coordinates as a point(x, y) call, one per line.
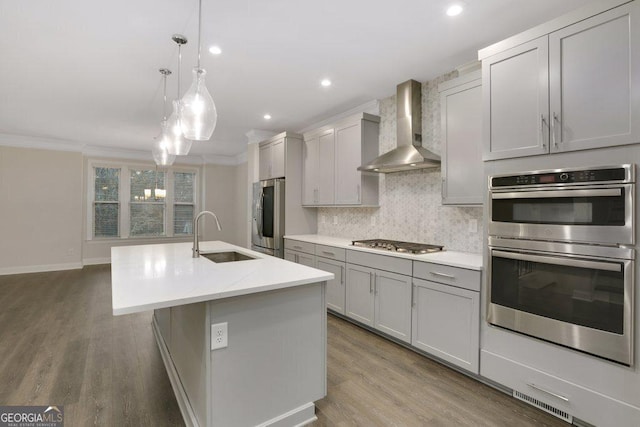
point(409, 153)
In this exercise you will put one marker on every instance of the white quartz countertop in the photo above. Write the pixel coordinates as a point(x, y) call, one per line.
point(149, 277)
point(466, 260)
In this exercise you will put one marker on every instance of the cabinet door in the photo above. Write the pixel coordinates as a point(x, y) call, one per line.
point(264, 163)
point(290, 255)
point(310, 171)
point(595, 81)
point(515, 86)
point(359, 294)
point(393, 304)
point(335, 287)
point(462, 167)
point(306, 259)
point(277, 159)
point(348, 158)
point(446, 323)
point(326, 168)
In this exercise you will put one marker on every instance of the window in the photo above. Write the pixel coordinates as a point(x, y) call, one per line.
point(132, 201)
point(106, 207)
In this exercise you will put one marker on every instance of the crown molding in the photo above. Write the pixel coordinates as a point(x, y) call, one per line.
point(257, 135)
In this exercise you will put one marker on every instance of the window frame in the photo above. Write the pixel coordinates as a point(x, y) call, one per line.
point(124, 196)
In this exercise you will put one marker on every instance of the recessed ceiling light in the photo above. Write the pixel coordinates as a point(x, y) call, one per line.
point(455, 9)
point(325, 82)
point(215, 50)
point(267, 116)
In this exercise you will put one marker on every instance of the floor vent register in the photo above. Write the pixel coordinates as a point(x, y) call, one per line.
point(544, 406)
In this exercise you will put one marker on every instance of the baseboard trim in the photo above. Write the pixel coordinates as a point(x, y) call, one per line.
point(40, 268)
point(96, 261)
point(298, 417)
point(188, 415)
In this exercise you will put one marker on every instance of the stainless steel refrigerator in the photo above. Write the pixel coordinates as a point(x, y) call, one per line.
point(268, 217)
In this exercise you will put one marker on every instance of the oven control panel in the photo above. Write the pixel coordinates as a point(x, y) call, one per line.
point(558, 177)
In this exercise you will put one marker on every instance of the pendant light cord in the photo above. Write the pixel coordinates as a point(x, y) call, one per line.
point(199, 30)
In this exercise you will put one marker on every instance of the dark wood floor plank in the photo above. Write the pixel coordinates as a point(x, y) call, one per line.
point(60, 344)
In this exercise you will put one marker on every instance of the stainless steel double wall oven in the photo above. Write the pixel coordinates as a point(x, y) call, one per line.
point(561, 246)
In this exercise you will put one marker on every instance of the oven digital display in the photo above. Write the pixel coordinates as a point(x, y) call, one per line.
point(545, 179)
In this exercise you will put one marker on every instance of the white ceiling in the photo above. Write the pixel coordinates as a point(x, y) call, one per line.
point(86, 72)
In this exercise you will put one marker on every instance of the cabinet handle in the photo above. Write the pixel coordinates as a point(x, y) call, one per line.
point(557, 396)
point(542, 126)
point(297, 247)
point(448, 276)
point(358, 192)
point(328, 253)
point(413, 301)
point(342, 275)
point(553, 129)
point(375, 283)
point(315, 195)
point(370, 283)
point(442, 186)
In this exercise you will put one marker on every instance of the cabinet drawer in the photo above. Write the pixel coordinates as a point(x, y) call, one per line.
point(460, 277)
point(380, 262)
point(331, 252)
point(297, 245)
point(580, 402)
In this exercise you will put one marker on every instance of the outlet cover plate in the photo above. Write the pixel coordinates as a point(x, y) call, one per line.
point(219, 336)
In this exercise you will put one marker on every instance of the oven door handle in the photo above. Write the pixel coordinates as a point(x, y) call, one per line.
point(570, 262)
point(603, 192)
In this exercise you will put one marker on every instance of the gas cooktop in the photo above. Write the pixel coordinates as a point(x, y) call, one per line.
point(396, 246)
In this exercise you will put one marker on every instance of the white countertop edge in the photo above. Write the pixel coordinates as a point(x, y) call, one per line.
point(466, 260)
point(131, 309)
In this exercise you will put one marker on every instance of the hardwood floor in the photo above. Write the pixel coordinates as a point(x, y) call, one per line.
point(60, 344)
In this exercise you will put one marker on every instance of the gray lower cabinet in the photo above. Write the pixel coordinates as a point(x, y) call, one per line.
point(300, 257)
point(379, 299)
point(446, 323)
point(336, 287)
point(360, 304)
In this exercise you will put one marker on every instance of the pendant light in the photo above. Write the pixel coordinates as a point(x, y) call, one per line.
point(159, 148)
point(178, 144)
point(198, 115)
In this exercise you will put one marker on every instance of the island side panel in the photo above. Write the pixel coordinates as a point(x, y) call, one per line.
point(275, 362)
point(163, 320)
point(189, 353)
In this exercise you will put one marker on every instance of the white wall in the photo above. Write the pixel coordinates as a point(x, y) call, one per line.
point(222, 195)
point(242, 213)
point(40, 210)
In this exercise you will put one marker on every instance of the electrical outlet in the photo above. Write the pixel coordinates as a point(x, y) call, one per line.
point(473, 226)
point(219, 336)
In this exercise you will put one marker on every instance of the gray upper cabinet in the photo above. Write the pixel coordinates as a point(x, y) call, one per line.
point(516, 101)
point(272, 158)
point(461, 121)
point(573, 89)
point(331, 157)
point(594, 72)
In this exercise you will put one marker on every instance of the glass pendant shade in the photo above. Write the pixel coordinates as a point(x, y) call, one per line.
point(160, 146)
point(198, 115)
point(177, 145)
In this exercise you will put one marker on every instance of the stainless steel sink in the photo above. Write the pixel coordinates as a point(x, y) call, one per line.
point(230, 256)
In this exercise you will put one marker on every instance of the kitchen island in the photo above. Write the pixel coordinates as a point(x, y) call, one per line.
point(266, 315)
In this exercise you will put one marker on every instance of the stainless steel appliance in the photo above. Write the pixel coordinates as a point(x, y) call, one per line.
point(592, 205)
point(561, 266)
point(267, 235)
point(397, 246)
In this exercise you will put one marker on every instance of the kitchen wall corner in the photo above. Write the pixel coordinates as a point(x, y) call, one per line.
point(410, 202)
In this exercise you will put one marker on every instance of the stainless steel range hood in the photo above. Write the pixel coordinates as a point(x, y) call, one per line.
point(409, 153)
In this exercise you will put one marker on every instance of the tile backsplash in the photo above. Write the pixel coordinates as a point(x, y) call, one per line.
point(410, 202)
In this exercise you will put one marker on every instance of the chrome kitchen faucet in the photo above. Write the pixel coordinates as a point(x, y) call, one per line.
point(196, 243)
